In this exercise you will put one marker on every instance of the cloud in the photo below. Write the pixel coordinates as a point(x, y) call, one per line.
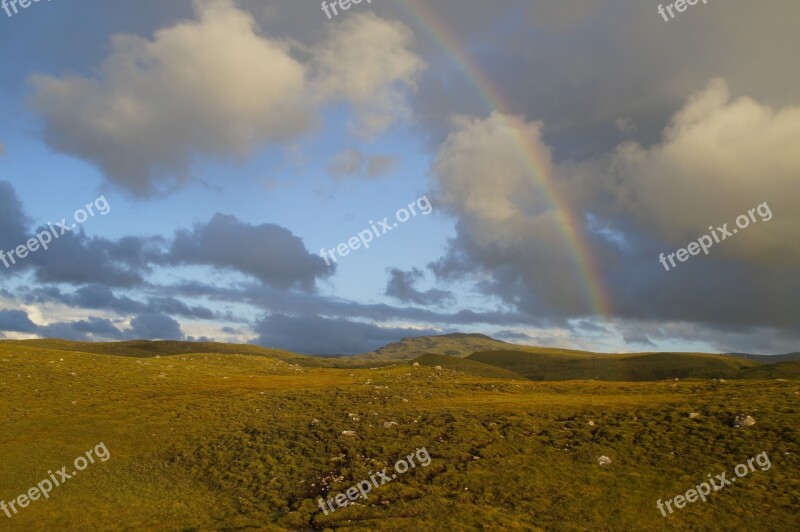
point(401, 287)
point(367, 63)
point(626, 125)
point(719, 157)
point(266, 252)
point(212, 86)
point(507, 229)
point(148, 325)
point(155, 327)
point(100, 297)
point(217, 87)
point(320, 335)
point(353, 163)
point(16, 321)
point(13, 220)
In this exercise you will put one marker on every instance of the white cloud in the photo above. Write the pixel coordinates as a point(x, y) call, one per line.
point(718, 158)
point(366, 62)
point(507, 226)
point(218, 87)
point(353, 163)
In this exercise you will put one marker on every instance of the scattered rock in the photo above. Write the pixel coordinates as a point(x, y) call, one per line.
point(603, 460)
point(743, 421)
point(415, 364)
point(780, 380)
point(694, 415)
point(591, 423)
point(439, 368)
point(348, 433)
point(389, 424)
point(314, 421)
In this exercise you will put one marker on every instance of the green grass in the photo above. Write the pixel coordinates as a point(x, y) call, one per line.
point(465, 365)
point(203, 441)
point(548, 366)
point(455, 345)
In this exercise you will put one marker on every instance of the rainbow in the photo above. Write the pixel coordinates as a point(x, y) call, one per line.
point(529, 155)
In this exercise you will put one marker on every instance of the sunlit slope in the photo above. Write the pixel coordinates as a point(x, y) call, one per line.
point(220, 441)
point(147, 349)
point(470, 367)
point(781, 370)
point(629, 367)
point(455, 345)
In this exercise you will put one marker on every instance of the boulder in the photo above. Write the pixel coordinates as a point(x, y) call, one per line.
point(603, 460)
point(743, 421)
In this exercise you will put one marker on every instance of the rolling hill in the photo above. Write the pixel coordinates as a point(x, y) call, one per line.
point(455, 345)
point(543, 366)
point(252, 442)
point(148, 349)
point(470, 367)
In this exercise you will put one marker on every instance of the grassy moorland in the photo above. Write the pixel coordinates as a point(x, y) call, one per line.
point(221, 440)
point(628, 367)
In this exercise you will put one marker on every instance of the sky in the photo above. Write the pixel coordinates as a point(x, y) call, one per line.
point(590, 175)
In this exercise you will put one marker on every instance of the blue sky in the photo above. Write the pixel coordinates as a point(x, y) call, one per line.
point(235, 140)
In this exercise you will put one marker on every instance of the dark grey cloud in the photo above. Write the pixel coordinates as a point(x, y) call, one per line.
point(401, 287)
point(299, 303)
point(145, 326)
point(267, 252)
point(320, 335)
point(513, 336)
point(75, 258)
point(99, 297)
point(16, 321)
point(155, 327)
point(13, 220)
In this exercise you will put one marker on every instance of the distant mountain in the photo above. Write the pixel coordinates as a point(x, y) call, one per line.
point(768, 359)
point(456, 345)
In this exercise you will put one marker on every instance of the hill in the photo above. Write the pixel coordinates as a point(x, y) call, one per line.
point(455, 345)
point(252, 443)
point(148, 349)
point(465, 365)
point(769, 359)
point(550, 366)
point(781, 370)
